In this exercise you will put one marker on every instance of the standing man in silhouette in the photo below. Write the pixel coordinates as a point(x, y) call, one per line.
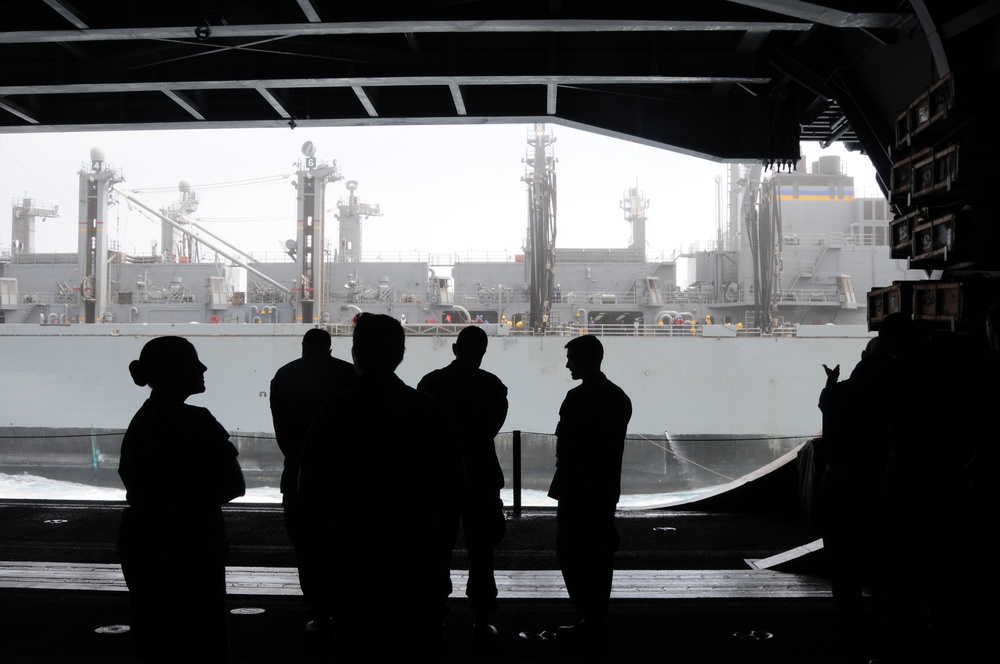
point(477, 401)
point(590, 442)
point(386, 499)
point(298, 389)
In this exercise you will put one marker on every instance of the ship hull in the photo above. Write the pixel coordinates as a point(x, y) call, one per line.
point(78, 376)
point(708, 408)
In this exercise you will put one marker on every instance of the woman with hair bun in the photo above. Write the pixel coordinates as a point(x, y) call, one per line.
point(178, 467)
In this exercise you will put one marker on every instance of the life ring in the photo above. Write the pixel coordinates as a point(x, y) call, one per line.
point(213, 319)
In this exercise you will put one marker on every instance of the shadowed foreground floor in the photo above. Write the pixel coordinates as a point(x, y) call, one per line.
point(684, 593)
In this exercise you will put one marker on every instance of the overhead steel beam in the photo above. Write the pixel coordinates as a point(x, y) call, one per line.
point(185, 103)
point(274, 102)
point(365, 101)
point(20, 112)
point(373, 82)
point(456, 96)
point(933, 38)
point(394, 27)
point(970, 19)
point(71, 14)
point(808, 11)
point(309, 10)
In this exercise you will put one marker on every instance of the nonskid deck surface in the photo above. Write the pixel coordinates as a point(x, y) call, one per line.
point(513, 584)
point(684, 591)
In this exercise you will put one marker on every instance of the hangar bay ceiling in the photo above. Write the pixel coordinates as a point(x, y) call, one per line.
point(723, 79)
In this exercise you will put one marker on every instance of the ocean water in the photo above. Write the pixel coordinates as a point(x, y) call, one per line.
point(657, 471)
point(33, 487)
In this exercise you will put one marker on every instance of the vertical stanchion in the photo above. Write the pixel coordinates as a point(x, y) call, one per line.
point(516, 453)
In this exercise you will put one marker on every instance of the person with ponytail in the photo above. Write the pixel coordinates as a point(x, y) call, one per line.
point(178, 467)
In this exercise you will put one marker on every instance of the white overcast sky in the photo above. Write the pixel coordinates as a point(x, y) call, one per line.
point(441, 189)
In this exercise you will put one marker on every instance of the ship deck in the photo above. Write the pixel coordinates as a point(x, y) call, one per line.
point(689, 587)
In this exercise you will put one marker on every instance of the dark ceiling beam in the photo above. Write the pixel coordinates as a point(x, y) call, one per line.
point(279, 123)
point(395, 27)
point(309, 11)
point(834, 18)
point(274, 102)
point(365, 100)
point(185, 103)
point(970, 19)
point(411, 42)
point(716, 131)
point(748, 45)
point(68, 12)
point(934, 42)
point(74, 17)
point(457, 97)
point(875, 133)
point(374, 81)
point(158, 55)
point(20, 112)
point(174, 62)
point(838, 130)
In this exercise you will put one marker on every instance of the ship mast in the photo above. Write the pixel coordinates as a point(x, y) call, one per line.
point(92, 248)
point(311, 185)
point(763, 226)
point(22, 226)
point(350, 211)
point(541, 240)
point(175, 245)
point(634, 204)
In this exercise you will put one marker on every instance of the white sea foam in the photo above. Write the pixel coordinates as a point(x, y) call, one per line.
point(33, 487)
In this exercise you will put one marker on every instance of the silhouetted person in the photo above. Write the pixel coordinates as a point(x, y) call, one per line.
point(298, 389)
point(929, 446)
point(854, 440)
point(477, 402)
point(387, 497)
point(590, 442)
point(178, 468)
point(982, 470)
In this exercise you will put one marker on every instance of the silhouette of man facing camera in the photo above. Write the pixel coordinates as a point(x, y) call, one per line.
point(477, 401)
point(298, 389)
point(386, 498)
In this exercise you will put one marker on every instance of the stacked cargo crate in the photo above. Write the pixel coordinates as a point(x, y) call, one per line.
point(937, 225)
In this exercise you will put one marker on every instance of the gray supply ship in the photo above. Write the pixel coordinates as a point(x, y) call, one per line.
point(735, 357)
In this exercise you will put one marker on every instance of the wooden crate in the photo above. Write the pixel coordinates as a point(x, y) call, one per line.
point(954, 302)
point(902, 174)
point(929, 117)
point(901, 232)
point(903, 129)
point(934, 241)
point(957, 237)
point(897, 298)
point(929, 113)
point(935, 173)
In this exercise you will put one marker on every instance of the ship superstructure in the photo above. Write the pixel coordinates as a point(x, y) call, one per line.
point(796, 248)
point(799, 248)
point(792, 256)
